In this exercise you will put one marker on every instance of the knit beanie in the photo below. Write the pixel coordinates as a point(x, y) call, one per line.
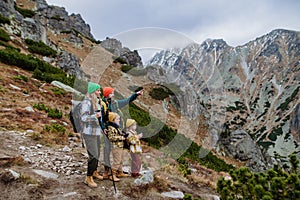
point(129, 122)
point(112, 116)
point(107, 91)
point(92, 87)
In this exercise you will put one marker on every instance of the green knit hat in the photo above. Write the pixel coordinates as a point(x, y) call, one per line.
point(92, 87)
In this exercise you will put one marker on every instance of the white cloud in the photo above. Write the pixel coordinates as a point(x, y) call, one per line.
point(236, 21)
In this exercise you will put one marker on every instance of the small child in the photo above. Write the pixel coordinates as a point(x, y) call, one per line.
point(117, 138)
point(135, 147)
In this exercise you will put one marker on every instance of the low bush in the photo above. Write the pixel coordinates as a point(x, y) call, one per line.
point(4, 36)
point(159, 135)
point(276, 183)
point(24, 12)
point(41, 70)
point(4, 20)
point(40, 48)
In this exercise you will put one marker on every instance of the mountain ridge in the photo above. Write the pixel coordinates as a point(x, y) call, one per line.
point(260, 78)
point(242, 75)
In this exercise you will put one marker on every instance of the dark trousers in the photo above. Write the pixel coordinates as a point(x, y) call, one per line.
point(106, 151)
point(92, 143)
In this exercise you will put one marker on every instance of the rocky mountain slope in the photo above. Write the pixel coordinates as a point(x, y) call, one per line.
point(250, 93)
point(40, 156)
point(230, 100)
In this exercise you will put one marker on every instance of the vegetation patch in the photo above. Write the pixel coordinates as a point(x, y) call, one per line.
point(41, 70)
point(52, 112)
point(285, 104)
point(40, 48)
point(4, 20)
point(276, 183)
point(160, 93)
point(53, 134)
point(164, 135)
point(24, 12)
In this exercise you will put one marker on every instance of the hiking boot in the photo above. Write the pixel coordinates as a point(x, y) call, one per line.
point(106, 173)
point(90, 181)
point(135, 175)
point(121, 174)
point(97, 175)
point(113, 177)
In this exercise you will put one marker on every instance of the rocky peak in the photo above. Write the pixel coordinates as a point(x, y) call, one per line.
point(254, 86)
point(216, 44)
point(115, 46)
point(58, 20)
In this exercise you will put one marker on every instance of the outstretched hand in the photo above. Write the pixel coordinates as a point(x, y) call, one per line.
point(140, 92)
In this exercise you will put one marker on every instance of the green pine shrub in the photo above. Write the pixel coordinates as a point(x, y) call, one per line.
point(24, 12)
point(21, 77)
point(41, 70)
point(120, 60)
point(163, 135)
point(54, 113)
point(40, 48)
point(276, 183)
point(4, 36)
point(4, 20)
point(126, 68)
point(58, 91)
point(40, 106)
point(159, 93)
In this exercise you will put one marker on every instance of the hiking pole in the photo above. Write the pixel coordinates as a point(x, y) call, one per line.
point(113, 180)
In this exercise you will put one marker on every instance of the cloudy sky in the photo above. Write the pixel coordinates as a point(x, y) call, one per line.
point(138, 23)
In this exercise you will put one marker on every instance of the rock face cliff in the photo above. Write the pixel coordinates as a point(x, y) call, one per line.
point(253, 88)
point(68, 34)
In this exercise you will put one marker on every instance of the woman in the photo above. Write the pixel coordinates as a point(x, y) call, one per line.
point(114, 105)
point(90, 114)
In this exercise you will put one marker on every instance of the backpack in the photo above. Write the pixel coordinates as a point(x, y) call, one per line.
point(75, 118)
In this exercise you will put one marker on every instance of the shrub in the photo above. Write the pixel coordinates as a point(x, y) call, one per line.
point(53, 134)
point(159, 93)
point(272, 184)
point(40, 48)
point(41, 70)
point(54, 113)
point(4, 36)
point(183, 167)
point(120, 60)
point(21, 77)
point(40, 106)
point(58, 91)
point(164, 135)
point(4, 20)
point(25, 12)
point(137, 72)
point(126, 68)
point(285, 104)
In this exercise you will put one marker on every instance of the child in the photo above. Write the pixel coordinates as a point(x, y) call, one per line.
point(135, 147)
point(116, 138)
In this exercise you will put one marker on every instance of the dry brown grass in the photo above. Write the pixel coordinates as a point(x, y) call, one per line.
point(15, 116)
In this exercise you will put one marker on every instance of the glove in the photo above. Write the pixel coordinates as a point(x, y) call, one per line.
point(140, 92)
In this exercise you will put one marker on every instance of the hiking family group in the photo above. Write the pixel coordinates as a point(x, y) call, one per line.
point(100, 116)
